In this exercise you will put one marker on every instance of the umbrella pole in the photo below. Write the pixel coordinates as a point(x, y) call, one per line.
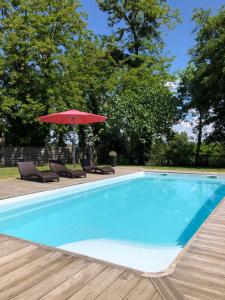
point(74, 150)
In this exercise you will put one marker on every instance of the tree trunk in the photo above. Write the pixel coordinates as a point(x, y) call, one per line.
point(82, 141)
point(199, 141)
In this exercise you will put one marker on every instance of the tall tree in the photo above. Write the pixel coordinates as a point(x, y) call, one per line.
point(94, 74)
point(202, 85)
point(138, 24)
point(209, 54)
point(35, 39)
point(136, 46)
point(196, 107)
point(143, 109)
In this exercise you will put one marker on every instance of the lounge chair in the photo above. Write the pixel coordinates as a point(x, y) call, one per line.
point(59, 168)
point(89, 167)
point(28, 171)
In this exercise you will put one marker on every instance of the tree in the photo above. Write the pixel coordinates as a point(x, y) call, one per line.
point(203, 82)
point(196, 105)
point(138, 84)
point(137, 24)
point(179, 148)
point(35, 39)
point(209, 53)
point(94, 75)
point(143, 111)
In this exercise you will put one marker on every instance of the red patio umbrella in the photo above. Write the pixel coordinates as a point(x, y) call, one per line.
point(72, 117)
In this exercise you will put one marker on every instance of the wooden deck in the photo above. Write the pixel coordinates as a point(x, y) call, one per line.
point(15, 187)
point(31, 271)
point(200, 273)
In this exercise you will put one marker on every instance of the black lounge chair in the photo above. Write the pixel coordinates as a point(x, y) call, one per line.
point(89, 167)
point(28, 171)
point(59, 168)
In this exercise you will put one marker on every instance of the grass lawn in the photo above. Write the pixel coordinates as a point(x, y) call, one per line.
point(13, 171)
point(186, 169)
point(10, 172)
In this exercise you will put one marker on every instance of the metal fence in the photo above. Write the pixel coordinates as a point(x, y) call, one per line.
point(208, 161)
point(9, 156)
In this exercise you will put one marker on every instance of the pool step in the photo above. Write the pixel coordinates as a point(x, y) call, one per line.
point(211, 177)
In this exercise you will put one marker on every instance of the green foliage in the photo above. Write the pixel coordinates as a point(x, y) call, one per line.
point(49, 62)
point(136, 110)
point(203, 82)
point(210, 53)
point(138, 23)
point(138, 89)
point(213, 149)
point(179, 148)
point(35, 39)
point(139, 112)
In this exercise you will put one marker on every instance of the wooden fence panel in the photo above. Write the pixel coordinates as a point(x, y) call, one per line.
point(9, 156)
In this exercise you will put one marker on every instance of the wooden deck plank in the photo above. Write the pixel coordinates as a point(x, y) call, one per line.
point(20, 261)
point(202, 265)
point(209, 284)
point(191, 289)
point(13, 256)
point(213, 243)
point(212, 232)
point(202, 258)
point(98, 284)
point(206, 250)
point(156, 296)
point(166, 289)
point(23, 187)
point(10, 245)
point(24, 272)
point(22, 285)
point(76, 282)
point(143, 290)
point(29, 271)
point(189, 294)
point(4, 238)
point(120, 287)
point(211, 237)
point(194, 290)
point(200, 273)
point(51, 282)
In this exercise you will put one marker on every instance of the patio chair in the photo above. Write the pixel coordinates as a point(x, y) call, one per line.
point(59, 168)
point(28, 171)
point(89, 167)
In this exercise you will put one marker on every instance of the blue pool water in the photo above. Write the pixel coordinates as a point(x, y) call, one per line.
point(147, 210)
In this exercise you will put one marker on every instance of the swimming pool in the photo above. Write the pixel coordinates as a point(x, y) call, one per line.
point(141, 221)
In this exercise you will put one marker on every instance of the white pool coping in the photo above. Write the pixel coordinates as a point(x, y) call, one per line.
point(84, 187)
point(63, 191)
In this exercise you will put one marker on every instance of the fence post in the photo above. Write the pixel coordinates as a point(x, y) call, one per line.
point(2, 144)
point(46, 154)
point(3, 155)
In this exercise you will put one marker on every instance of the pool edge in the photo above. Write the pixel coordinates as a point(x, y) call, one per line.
point(166, 272)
